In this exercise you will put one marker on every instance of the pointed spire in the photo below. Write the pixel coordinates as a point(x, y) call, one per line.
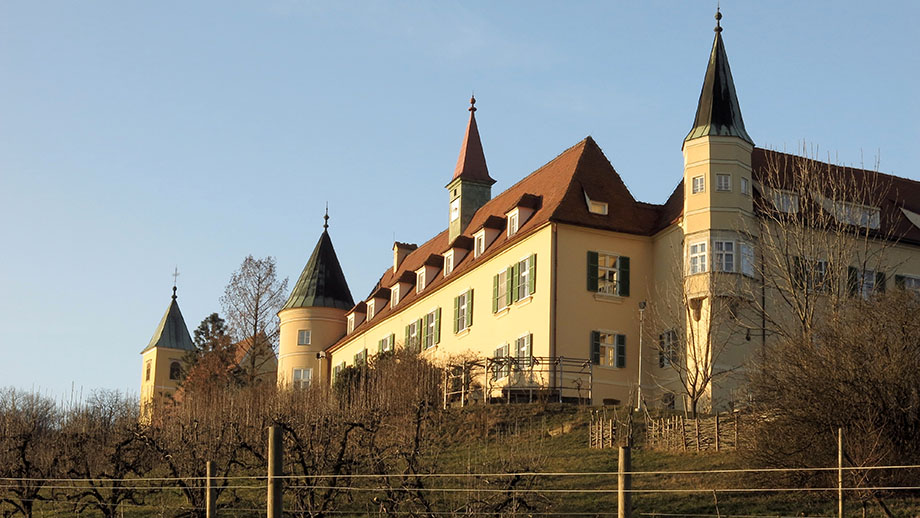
point(471, 164)
point(322, 282)
point(172, 332)
point(718, 112)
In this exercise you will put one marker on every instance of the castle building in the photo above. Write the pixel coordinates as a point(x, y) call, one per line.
point(543, 287)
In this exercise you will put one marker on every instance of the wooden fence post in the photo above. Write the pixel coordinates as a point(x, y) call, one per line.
point(273, 500)
point(210, 510)
point(717, 432)
point(736, 431)
point(696, 423)
point(840, 472)
point(624, 484)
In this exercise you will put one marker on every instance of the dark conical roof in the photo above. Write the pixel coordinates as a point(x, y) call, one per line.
point(471, 164)
point(322, 283)
point(718, 113)
point(172, 332)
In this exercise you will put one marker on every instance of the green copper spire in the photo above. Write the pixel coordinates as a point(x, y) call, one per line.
point(322, 282)
point(718, 112)
point(172, 332)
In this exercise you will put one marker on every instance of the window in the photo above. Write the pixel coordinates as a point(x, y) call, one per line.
point(608, 349)
point(859, 215)
point(500, 365)
point(747, 259)
point(745, 186)
point(386, 344)
point(501, 295)
point(370, 309)
point(448, 263)
point(810, 275)
point(303, 337)
point(394, 296)
point(361, 358)
point(175, 370)
point(420, 280)
point(523, 351)
point(698, 258)
point(786, 201)
point(455, 209)
point(301, 378)
point(667, 349)
point(723, 256)
point(350, 326)
point(149, 363)
point(906, 282)
point(865, 283)
point(723, 182)
point(414, 335)
point(525, 277)
point(699, 184)
point(463, 311)
point(431, 330)
point(337, 370)
point(608, 274)
point(512, 223)
point(480, 247)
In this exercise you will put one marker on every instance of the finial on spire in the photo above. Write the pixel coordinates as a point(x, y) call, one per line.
point(326, 218)
point(472, 103)
point(175, 278)
point(718, 18)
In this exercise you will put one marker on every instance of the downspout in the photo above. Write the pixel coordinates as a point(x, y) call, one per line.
point(552, 304)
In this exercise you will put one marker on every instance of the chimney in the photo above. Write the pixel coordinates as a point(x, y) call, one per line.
point(400, 251)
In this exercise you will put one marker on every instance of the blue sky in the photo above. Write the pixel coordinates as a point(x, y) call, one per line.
point(137, 136)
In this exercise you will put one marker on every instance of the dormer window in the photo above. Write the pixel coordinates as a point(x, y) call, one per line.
point(351, 324)
point(513, 219)
point(370, 309)
point(859, 215)
point(420, 282)
point(480, 245)
point(394, 296)
point(448, 263)
point(786, 201)
point(594, 206)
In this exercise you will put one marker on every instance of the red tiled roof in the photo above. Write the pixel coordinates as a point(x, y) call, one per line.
point(471, 164)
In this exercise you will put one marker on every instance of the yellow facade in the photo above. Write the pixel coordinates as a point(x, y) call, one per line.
point(161, 374)
point(325, 326)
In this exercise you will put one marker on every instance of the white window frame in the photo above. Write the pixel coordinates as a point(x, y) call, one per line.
point(723, 182)
point(698, 184)
point(361, 358)
point(455, 209)
point(448, 262)
point(865, 285)
point(745, 185)
point(385, 344)
point(523, 279)
point(415, 335)
point(514, 219)
point(463, 307)
point(420, 280)
point(370, 309)
point(431, 329)
point(337, 370)
point(608, 351)
point(502, 289)
point(501, 370)
point(350, 326)
point(301, 333)
point(301, 378)
point(857, 215)
point(911, 283)
point(747, 258)
point(606, 268)
point(479, 243)
point(723, 256)
point(394, 295)
point(786, 201)
point(697, 260)
point(667, 348)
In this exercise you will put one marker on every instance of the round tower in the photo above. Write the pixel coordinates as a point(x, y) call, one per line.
point(313, 318)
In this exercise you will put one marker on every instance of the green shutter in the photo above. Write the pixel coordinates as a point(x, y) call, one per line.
point(623, 276)
point(380, 345)
point(515, 281)
point(880, 282)
point(899, 281)
point(437, 326)
point(852, 280)
point(595, 348)
point(424, 334)
point(495, 294)
point(509, 285)
point(393, 342)
point(532, 280)
point(621, 350)
point(420, 326)
point(469, 308)
point(406, 343)
point(456, 315)
point(592, 271)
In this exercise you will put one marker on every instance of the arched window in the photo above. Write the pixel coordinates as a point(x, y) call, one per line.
point(148, 370)
point(175, 370)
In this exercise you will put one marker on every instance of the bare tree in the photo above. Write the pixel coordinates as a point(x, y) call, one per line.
point(251, 302)
point(212, 365)
point(101, 448)
point(29, 450)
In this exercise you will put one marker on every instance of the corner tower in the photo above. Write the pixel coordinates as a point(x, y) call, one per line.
point(471, 186)
point(313, 318)
point(164, 359)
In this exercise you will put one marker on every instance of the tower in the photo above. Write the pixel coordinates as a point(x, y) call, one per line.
point(164, 359)
point(471, 186)
point(719, 226)
point(313, 318)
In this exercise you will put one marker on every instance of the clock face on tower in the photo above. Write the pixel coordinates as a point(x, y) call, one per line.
point(455, 209)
